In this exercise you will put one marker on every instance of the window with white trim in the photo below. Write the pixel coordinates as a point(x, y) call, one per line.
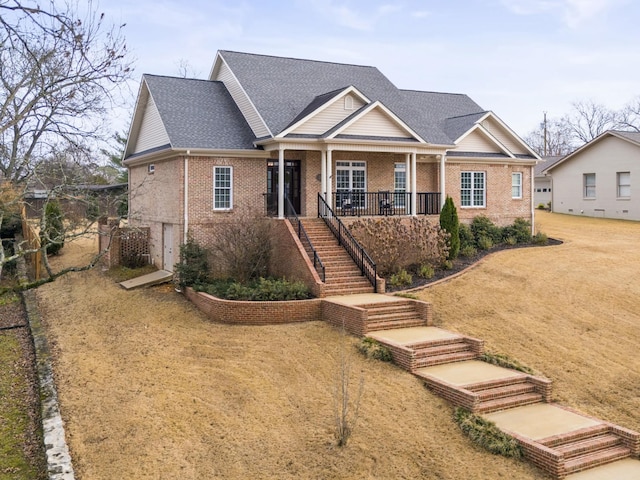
point(516, 185)
point(589, 184)
point(400, 184)
point(222, 188)
point(351, 183)
point(624, 184)
point(473, 189)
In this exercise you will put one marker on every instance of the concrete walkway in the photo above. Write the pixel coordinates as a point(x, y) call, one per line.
point(627, 469)
point(469, 372)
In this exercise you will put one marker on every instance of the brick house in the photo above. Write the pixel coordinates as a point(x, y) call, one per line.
point(200, 151)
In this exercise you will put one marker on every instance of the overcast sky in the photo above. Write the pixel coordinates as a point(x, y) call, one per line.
point(517, 58)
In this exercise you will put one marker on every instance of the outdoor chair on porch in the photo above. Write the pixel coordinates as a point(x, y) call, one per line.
point(384, 202)
point(346, 206)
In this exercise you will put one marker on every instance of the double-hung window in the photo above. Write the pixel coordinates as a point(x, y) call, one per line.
point(222, 188)
point(516, 185)
point(473, 189)
point(351, 183)
point(624, 184)
point(589, 185)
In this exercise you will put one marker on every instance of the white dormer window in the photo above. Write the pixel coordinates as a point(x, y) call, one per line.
point(151, 168)
point(348, 102)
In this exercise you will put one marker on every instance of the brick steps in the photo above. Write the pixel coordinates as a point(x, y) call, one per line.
point(595, 459)
point(512, 401)
point(445, 358)
point(342, 276)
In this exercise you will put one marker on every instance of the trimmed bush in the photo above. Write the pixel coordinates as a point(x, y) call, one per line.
point(426, 271)
point(484, 242)
point(263, 289)
point(468, 251)
point(401, 278)
point(485, 434)
point(466, 236)
point(481, 226)
point(193, 268)
point(520, 230)
point(449, 222)
point(540, 239)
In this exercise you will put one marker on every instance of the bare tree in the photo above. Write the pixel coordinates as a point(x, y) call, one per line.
point(552, 139)
point(629, 118)
point(588, 120)
point(59, 70)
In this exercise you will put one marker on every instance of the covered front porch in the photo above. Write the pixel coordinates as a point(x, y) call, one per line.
point(355, 179)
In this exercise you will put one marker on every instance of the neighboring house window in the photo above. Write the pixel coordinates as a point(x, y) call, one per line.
point(400, 184)
point(516, 185)
point(222, 188)
point(473, 189)
point(351, 183)
point(151, 168)
point(624, 184)
point(589, 185)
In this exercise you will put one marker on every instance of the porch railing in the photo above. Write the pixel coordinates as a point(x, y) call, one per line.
point(362, 259)
point(383, 203)
point(292, 216)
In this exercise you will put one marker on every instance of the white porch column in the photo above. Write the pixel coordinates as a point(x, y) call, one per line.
point(443, 178)
point(281, 183)
point(329, 198)
point(408, 175)
point(414, 185)
point(323, 174)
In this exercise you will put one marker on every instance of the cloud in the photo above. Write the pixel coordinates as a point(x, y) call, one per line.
point(573, 12)
point(344, 15)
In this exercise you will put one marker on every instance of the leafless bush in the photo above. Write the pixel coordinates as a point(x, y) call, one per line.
point(242, 248)
point(346, 402)
point(397, 245)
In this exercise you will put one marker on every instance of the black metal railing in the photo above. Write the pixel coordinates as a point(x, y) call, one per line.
point(356, 203)
point(428, 203)
point(359, 255)
point(292, 216)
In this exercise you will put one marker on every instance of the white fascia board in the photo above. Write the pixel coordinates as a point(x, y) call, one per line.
point(194, 152)
point(217, 68)
point(389, 113)
point(514, 135)
point(136, 122)
point(498, 143)
point(346, 91)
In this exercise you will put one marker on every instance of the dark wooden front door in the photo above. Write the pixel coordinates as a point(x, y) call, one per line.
point(291, 184)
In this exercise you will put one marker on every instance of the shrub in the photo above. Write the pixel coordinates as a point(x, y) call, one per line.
point(520, 230)
point(468, 251)
point(510, 241)
point(481, 226)
point(426, 271)
point(395, 245)
point(466, 236)
point(540, 239)
point(447, 265)
point(449, 222)
point(263, 289)
point(485, 434)
point(541, 206)
point(193, 268)
point(484, 242)
point(401, 278)
point(504, 361)
point(52, 229)
point(371, 348)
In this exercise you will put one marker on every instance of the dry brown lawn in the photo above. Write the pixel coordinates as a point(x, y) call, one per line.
point(150, 389)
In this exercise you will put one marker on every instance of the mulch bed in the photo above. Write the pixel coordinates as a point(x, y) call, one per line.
point(461, 263)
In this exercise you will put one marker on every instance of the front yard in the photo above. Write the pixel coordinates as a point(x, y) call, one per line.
point(150, 389)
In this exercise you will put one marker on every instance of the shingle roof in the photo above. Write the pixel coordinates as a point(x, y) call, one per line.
point(633, 136)
point(456, 126)
point(546, 163)
point(281, 88)
point(199, 113)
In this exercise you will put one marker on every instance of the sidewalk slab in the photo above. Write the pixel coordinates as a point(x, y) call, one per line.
point(363, 299)
point(627, 469)
point(468, 372)
point(540, 420)
point(412, 335)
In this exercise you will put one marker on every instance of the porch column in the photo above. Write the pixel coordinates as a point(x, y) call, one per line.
point(408, 175)
point(323, 174)
point(414, 185)
point(281, 183)
point(443, 178)
point(329, 177)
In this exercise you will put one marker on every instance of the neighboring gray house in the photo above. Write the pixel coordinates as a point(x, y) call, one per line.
point(599, 179)
point(542, 181)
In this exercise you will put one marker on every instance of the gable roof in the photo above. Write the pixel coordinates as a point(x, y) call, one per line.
point(631, 137)
point(281, 88)
point(197, 114)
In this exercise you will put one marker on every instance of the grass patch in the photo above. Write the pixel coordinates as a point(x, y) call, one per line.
point(371, 348)
point(505, 361)
point(14, 419)
point(485, 434)
point(122, 274)
point(412, 296)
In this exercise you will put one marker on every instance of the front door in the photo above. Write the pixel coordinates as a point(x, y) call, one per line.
point(291, 185)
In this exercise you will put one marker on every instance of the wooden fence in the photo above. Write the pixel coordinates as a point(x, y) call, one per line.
point(32, 242)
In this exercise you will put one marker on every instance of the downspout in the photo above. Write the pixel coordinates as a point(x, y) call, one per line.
point(186, 198)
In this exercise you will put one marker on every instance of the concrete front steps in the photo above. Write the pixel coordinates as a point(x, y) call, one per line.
point(342, 275)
